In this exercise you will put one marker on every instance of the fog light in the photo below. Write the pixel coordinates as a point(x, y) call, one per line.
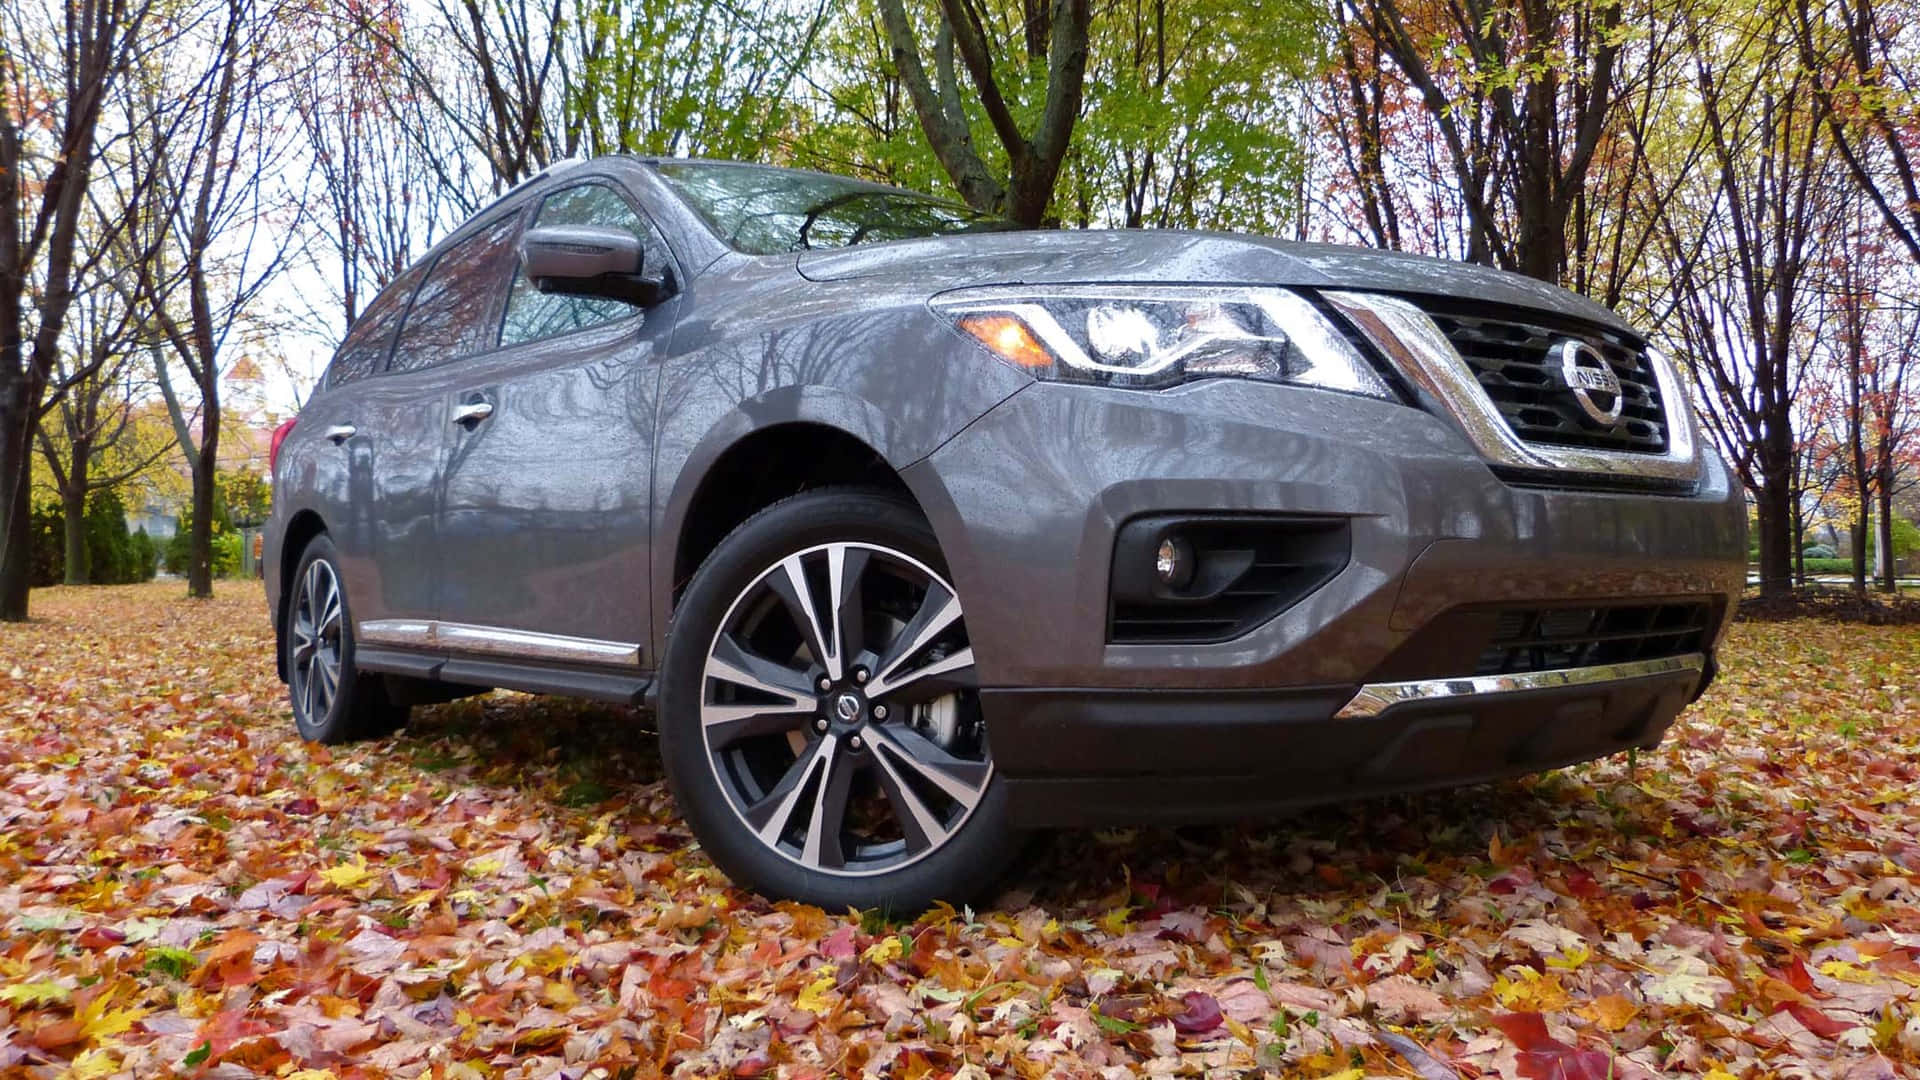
point(1173, 562)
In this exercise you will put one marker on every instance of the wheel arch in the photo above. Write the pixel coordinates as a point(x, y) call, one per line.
point(756, 469)
point(301, 528)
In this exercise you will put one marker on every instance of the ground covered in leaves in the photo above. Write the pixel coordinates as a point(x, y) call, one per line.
point(504, 890)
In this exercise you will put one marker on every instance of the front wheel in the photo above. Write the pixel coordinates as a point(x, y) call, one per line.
point(820, 717)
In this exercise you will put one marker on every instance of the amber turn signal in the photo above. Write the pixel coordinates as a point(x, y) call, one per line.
point(1009, 338)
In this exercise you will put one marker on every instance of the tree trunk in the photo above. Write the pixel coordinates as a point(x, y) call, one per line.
point(16, 547)
point(1860, 526)
point(1776, 524)
point(1033, 159)
point(1889, 574)
point(1774, 500)
point(73, 502)
point(16, 530)
point(200, 539)
point(1799, 544)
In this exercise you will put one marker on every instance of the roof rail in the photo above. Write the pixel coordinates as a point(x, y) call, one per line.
point(554, 168)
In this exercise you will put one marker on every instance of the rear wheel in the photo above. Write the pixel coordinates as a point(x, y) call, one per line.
point(820, 720)
point(333, 702)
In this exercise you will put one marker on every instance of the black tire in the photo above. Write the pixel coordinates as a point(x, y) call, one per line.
point(867, 529)
point(357, 705)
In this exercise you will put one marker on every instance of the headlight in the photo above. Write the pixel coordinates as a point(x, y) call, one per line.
point(1149, 337)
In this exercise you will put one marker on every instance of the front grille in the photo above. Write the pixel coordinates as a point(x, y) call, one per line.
point(1549, 639)
point(1510, 352)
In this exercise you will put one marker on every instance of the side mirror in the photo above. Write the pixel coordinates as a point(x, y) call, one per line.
point(589, 260)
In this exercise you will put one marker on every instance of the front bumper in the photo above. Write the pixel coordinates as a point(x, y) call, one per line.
point(1027, 502)
point(1094, 757)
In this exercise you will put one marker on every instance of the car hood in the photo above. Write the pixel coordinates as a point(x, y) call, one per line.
point(1082, 256)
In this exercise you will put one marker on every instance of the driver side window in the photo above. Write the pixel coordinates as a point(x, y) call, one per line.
point(531, 314)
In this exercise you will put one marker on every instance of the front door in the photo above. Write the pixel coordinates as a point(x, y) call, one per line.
point(544, 541)
point(400, 420)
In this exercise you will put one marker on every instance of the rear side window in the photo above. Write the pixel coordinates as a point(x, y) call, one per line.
point(532, 314)
point(364, 352)
point(450, 316)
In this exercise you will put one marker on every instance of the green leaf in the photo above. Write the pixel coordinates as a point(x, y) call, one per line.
point(1112, 1025)
point(170, 961)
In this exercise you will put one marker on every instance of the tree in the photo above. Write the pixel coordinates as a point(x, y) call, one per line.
point(216, 248)
point(1737, 242)
point(57, 68)
point(855, 116)
point(46, 559)
point(1863, 61)
point(247, 497)
point(1893, 401)
point(1850, 304)
point(88, 434)
point(674, 77)
point(1519, 96)
point(378, 200)
point(512, 86)
point(1053, 39)
point(1820, 473)
point(1192, 116)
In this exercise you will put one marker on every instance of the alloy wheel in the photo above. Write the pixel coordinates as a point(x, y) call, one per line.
point(839, 709)
point(316, 642)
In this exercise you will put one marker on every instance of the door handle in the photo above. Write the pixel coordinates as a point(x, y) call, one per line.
point(472, 412)
point(340, 433)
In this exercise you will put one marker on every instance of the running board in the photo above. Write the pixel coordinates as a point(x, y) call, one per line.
point(625, 688)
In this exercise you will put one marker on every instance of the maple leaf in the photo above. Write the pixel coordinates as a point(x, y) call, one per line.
point(1818, 1022)
point(92, 1065)
point(347, 875)
point(1685, 980)
point(221, 1033)
point(814, 998)
point(98, 1021)
point(1543, 1057)
point(883, 951)
point(1200, 1015)
point(33, 994)
point(1611, 1011)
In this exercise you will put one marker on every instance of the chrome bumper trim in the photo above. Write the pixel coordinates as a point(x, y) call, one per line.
point(1420, 351)
point(497, 641)
point(1376, 698)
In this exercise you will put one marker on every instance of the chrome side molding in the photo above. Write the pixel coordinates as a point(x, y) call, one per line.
point(496, 641)
point(1376, 698)
point(1420, 351)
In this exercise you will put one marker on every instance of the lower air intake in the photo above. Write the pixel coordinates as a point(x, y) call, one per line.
point(1247, 570)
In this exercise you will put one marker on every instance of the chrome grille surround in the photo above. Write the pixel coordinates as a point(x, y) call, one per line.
point(1520, 360)
point(1423, 355)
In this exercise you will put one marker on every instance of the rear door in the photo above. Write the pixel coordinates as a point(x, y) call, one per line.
point(544, 527)
point(367, 464)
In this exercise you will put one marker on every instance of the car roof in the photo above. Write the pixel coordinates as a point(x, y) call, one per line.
point(658, 159)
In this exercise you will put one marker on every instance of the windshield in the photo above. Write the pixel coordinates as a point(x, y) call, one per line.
point(764, 211)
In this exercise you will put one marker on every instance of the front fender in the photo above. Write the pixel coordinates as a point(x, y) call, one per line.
point(817, 405)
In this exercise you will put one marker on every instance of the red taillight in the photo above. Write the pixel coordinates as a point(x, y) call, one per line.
point(273, 450)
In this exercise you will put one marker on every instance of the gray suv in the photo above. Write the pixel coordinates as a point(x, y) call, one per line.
point(915, 530)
